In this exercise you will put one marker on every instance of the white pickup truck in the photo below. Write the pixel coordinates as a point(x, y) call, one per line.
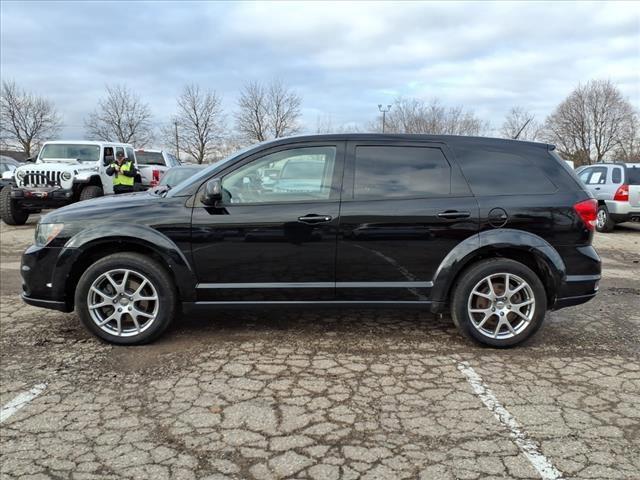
point(152, 164)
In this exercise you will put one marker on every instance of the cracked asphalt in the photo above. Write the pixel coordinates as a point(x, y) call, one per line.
point(323, 394)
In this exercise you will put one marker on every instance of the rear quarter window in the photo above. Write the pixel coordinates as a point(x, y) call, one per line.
point(633, 175)
point(491, 172)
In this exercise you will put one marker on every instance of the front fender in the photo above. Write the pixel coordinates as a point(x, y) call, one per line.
point(127, 234)
point(488, 244)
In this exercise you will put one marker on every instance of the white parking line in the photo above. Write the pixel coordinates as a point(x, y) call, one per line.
point(541, 463)
point(20, 401)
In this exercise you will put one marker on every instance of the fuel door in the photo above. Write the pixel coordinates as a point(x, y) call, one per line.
point(497, 217)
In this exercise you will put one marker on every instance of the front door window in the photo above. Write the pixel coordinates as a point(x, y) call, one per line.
point(294, 175)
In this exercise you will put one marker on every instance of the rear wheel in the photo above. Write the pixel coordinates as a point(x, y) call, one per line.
point(91, 191)
point(126, 299)
point(10, 211)
point(604, 222)
point(498, 302)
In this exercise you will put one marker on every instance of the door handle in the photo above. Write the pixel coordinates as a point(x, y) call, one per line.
point(597, 188)
point(313, 218)
point(453, 214)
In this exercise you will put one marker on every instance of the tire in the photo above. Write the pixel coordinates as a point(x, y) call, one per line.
point(475, 278)
point(90, 191)
point(140, 267)
point(604, 223)
point(10, 211)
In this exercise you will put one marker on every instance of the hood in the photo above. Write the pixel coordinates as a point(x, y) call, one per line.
point(55, 167)
point(59, 160)
point(102, 209)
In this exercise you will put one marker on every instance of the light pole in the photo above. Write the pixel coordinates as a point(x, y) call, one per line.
point(175, 124)
point(384, 114)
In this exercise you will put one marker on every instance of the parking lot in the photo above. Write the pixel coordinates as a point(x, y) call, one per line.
point(325, 394)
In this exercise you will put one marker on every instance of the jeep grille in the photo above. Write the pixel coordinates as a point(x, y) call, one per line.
point(41, 178)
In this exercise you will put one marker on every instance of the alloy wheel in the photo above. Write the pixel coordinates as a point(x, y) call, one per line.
point(123, 302)
point(501, 306)
point(601, 219)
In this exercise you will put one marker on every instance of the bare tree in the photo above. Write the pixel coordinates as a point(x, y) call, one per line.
point(252, 118)
point(628, 149)
point(590, 123)
point(26, 119)
point(413, 115)
point(121, 116)
point(200, 124)
point(520, 125)
point(284, 109)
point(266, 112)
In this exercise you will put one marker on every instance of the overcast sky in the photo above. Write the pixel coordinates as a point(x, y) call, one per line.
point(343, 59)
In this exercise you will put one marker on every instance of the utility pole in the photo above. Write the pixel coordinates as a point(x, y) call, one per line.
point(384, 114)
point(175, 124)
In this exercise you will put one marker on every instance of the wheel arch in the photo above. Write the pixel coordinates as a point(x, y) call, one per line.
point(88, 246)
point(524, 247)
point(94, 180)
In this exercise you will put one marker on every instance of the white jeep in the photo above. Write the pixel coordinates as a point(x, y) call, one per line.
point(64, 172)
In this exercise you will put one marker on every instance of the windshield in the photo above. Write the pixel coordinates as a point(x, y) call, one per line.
point(178, 174)
point(177, 190)
point(83, 153)
point(149, 158)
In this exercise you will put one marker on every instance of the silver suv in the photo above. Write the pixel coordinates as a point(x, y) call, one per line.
point(616, 186)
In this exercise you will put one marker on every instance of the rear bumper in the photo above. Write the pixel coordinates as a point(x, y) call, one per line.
point(577, 289)
point(622, 211)
point(582, 280)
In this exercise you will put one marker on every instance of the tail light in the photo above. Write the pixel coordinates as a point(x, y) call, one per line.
point(155, 178)
point(587, 210)
point(622, 194)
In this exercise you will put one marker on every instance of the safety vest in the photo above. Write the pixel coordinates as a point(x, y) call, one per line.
point(123, 179)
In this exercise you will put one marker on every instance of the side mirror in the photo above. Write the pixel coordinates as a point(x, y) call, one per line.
point(30, 160)
point(212, 192)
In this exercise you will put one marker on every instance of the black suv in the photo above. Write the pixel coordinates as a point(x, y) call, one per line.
point(498, 231)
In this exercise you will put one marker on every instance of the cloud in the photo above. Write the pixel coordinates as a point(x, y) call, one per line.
point(343, 58)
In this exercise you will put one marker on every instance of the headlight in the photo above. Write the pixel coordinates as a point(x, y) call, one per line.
point(20, 174)
point(45, 232)
point(66, 176)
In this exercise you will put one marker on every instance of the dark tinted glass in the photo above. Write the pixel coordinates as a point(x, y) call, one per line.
point(502, 173)
point(383, 172)
point(633, 175)
point(149, 158)
point(129, 153)
point(616, 175)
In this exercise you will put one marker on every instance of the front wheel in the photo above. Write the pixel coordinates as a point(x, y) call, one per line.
point(126, 299)
point(604, 222)
point(498, 302)
point(10, 211)
point(91, 191)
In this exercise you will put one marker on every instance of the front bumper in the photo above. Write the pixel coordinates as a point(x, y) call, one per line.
point(42, 197)
point(43, 278)
point(50, 304)
point(622, 211)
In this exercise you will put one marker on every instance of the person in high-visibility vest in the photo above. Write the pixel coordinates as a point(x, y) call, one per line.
point(124, 172)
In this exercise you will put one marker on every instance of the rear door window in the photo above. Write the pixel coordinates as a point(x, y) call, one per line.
point(130, 155)
point(616, 175)
point(399, 171)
